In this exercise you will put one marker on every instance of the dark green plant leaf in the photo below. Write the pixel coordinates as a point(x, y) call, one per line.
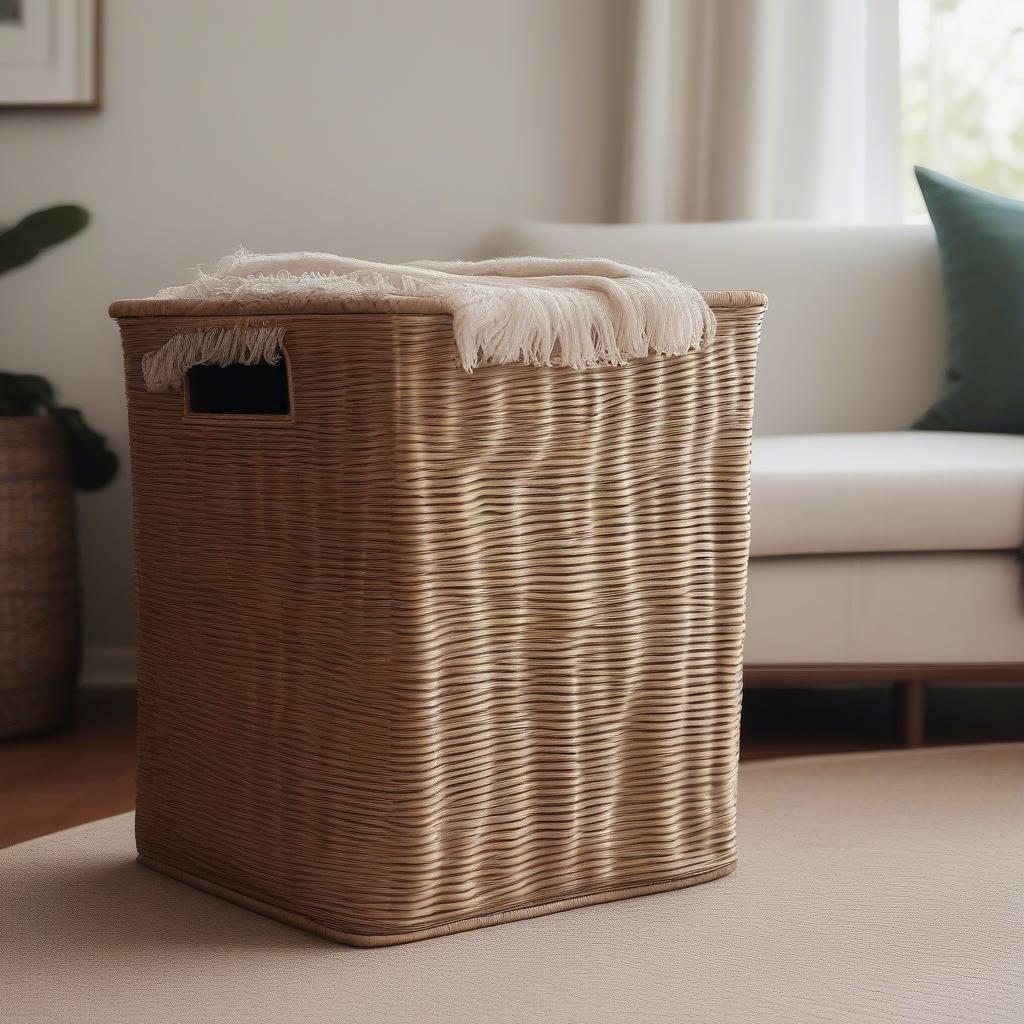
point(93, 464)
point(37, 388)
point(38, 231)
point(23, 394)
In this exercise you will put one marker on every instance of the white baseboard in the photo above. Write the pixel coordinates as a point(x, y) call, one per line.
point(108, 668)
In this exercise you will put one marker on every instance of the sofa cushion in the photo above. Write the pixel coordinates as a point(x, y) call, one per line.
point(900, 491)
point(981, 242)
point(854, 310)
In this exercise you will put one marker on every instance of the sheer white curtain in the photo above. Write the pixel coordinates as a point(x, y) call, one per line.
point(763, 109)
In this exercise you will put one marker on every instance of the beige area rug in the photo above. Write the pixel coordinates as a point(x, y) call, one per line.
point(871, 887)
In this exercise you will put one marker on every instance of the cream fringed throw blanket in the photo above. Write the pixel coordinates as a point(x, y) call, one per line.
point(542, 312)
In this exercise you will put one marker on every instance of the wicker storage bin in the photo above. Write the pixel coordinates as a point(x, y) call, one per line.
point(433, 650)
point(39, 619)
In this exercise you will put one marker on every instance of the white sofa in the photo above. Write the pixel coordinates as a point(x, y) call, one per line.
point(876, 552)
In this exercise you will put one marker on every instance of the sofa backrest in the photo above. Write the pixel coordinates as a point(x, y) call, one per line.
point(854, 333)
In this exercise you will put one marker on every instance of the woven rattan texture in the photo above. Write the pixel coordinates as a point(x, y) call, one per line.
point(440, 649)
point(39, 630)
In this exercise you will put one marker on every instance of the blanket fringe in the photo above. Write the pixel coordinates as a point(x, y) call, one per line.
point(164, 369)
point(580, 329)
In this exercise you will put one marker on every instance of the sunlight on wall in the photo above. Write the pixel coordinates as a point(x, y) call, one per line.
point(963, 94)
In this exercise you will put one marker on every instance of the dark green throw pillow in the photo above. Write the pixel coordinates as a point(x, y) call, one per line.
point(981, 247)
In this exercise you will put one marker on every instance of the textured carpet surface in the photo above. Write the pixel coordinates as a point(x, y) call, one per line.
point(871, 887)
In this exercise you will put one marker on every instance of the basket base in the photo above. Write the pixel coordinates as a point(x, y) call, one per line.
point(367, 940)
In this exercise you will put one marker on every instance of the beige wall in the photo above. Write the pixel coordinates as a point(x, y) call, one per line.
point(387, 129)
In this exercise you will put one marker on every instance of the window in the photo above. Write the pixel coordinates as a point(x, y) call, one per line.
point(963, 94)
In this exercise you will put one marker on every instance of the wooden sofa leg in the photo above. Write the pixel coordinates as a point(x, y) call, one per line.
point(910, 708)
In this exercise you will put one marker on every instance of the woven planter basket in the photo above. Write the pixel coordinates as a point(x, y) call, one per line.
point(435, 650)
point(39, 629)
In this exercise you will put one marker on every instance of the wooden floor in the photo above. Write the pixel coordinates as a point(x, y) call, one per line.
point(79, 774)
point(88, 771)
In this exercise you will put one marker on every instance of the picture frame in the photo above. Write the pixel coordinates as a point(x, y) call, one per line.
point(50, 54)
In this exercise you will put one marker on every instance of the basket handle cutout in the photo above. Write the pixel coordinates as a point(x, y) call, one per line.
point(258, 389)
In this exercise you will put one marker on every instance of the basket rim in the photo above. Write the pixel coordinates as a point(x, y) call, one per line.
point(331, 305)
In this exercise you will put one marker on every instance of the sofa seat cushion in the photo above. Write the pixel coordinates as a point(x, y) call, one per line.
point(875, 492)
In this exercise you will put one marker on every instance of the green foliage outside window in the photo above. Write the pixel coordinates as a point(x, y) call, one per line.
point(963, 94)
